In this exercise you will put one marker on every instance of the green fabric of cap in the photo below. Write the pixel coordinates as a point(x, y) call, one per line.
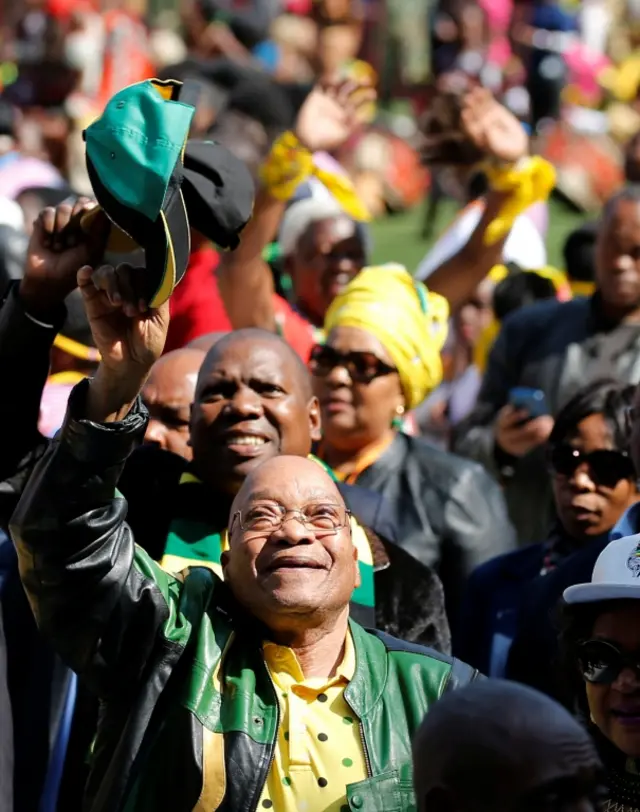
point(134, 155)
point(155, 186)
point(136, 143)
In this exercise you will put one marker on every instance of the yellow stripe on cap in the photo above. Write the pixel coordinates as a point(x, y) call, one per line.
point(168, 282)
point(119, 242)
point(166, 87)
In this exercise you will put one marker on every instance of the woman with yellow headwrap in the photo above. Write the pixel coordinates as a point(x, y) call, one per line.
point(380, 360)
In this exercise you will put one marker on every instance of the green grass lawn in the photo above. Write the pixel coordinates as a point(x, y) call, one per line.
point(397, 238)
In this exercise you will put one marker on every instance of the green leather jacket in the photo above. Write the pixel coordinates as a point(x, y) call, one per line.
point(189, 714)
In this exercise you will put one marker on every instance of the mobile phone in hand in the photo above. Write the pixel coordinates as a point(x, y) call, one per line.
point(531, 401)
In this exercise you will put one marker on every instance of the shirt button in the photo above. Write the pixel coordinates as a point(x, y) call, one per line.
point(357, 802)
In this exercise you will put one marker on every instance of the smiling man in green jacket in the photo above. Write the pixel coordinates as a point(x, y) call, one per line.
point(253, 693)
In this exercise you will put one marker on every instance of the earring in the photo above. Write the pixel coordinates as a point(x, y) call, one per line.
point(398, 421)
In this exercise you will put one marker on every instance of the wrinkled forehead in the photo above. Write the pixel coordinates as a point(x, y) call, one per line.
point(250, 358)
point(292, 492)
point(289, 481)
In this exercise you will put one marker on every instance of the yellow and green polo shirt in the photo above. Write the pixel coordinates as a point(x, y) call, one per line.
point(319, 748)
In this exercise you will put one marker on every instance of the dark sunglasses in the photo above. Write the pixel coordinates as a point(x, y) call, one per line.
point(602, 663)
point(606, 467)
point(362, 367)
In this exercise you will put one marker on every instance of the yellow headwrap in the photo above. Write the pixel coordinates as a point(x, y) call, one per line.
point(404, 316)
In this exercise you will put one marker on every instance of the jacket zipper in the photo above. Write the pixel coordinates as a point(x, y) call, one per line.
point(365, 748)
point(272, 757)
point(366, 751)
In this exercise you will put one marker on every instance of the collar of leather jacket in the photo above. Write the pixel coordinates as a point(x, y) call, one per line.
point(370, 676)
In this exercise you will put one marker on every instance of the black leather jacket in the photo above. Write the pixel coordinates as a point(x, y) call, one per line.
point(449, 513)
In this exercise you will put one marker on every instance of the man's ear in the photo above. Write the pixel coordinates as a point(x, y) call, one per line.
point(315, 421)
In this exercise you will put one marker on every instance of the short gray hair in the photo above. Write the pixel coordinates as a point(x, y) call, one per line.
point(300, 215)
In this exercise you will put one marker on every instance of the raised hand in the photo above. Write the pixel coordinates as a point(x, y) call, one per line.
point(56, 252)
point(492, 128)
point(331, 113)
point(129, 336)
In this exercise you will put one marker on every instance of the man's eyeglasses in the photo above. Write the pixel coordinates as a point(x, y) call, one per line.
point(316, 517)
point(602, 663)
point(362, 367)
point(606, 467)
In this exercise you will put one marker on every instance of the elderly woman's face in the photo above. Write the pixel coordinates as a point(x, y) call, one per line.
point(615, 707)
point(588, 504)
point(358, 389)
point(329, 254)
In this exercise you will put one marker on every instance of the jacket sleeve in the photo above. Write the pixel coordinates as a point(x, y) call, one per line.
point(474, 437)
point(109, 611)
point(476, 529)
point(25, 347)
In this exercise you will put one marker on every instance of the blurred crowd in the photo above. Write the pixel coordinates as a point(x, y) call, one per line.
point(285, 521)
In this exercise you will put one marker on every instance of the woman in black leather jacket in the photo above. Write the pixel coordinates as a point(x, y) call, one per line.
point(382, 357)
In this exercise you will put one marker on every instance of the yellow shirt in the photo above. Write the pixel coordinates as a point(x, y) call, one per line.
point(319, 750)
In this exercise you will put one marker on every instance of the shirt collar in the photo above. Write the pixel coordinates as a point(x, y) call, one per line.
point(283, 659)
point(628, 524)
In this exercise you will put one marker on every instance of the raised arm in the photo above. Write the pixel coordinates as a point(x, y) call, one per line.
point(329, 115)
point(498, 134)
point(31, 314)
point(104, 605)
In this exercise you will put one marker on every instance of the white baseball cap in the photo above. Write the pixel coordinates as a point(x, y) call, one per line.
point(616, 575)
